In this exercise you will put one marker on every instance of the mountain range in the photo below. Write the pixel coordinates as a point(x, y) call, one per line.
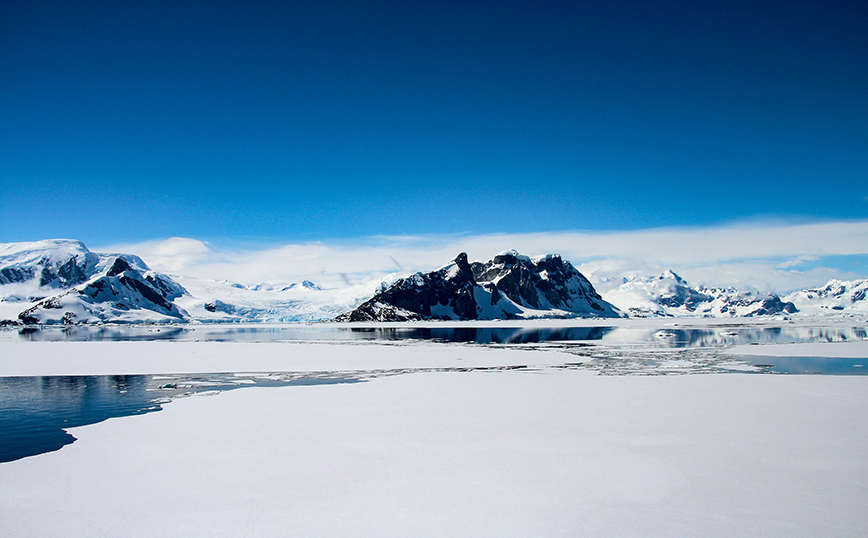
point(670, 295)
point(62, 282)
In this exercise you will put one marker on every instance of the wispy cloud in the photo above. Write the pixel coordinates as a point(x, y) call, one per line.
point(764, 255)
point(175, 254)
point(797, 261)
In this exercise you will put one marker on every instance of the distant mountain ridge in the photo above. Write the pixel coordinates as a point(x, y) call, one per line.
point(668, 295)
point(510, 286)
point(62, 282)
point(837, 296)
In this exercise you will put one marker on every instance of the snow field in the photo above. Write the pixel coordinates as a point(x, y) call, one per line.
point(546, 453)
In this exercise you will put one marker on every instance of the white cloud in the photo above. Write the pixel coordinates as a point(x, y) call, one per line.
point(797, 261)
point(172, 255)
point(763, 255)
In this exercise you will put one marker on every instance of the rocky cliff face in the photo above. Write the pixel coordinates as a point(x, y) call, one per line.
point(510, 286)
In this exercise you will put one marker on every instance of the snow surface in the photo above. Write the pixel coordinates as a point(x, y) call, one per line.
point(269, 303)
point(539, 451)
point(161, 357)
point(543, 453)
point(33, 251)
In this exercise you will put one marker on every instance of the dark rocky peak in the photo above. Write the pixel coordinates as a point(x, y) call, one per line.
point(508, 286)
point(444, 293)
point(461, 259)
point(502, 264)
point(119, 266)
point(542, 283)
point(459, 268)
point(509, 257)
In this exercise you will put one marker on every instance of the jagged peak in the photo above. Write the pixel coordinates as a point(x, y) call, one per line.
point(458, 265)
point(119, 266)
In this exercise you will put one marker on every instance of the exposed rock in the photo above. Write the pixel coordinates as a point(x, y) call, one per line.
point(509, 286)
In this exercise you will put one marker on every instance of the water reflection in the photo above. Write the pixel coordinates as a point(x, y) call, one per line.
point(674, 337)
point(483, 335)
point(669, 337)
point(34, 411)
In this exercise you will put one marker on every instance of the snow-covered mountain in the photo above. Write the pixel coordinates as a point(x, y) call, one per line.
point(668, 294)
point(41, 266)
point(510, 286)
point(836, 297)
point(121, 294)
point(61, 281)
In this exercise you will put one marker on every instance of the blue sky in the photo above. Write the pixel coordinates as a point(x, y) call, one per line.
point(303, 121)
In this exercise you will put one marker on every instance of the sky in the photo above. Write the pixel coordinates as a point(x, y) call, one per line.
point(253, 126)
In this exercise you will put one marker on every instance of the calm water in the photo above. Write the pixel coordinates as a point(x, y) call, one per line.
point(669, 337)
point(809, 365)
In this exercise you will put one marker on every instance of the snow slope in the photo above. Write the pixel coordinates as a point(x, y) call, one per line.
point(224, 301)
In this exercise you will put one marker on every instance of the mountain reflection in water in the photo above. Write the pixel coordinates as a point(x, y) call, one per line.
point(666, 337)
